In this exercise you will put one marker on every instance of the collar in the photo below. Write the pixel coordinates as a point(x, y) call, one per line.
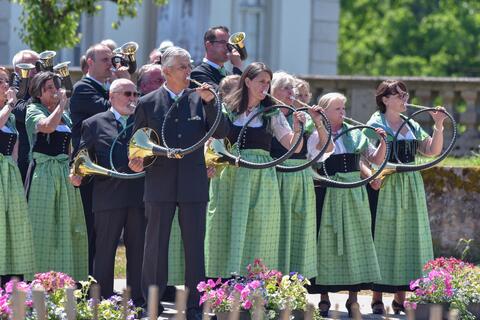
point(172, 94)
point(90, 77)
point(115, 113)
point(213, 64)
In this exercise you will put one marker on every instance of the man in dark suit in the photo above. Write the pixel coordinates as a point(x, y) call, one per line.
point(23, 56)
point(212, 69)
point(117, 203)
point(90, 97)
point(172, 183)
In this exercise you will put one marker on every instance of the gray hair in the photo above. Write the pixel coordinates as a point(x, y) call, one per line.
point(117, 83)
point(145, 70)
point(20, 55)
point(171, 52)
point(281, 79)
point(326, 99)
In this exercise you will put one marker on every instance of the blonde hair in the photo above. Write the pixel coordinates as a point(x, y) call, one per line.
point(325, 100)
point(281, 79)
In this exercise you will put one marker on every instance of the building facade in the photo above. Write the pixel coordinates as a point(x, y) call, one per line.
point(298, 36)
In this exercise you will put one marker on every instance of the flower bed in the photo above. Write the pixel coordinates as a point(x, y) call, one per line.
point(447, 281)
point(54, 285)
point(261, 288)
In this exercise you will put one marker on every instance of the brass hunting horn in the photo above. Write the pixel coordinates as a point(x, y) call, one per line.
point(237, 41)
point(24, 79)
point(83, 166)
point(45, 62)
point(62, 70)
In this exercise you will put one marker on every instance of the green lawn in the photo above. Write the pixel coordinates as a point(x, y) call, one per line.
point(473, 161)
point(120, 263)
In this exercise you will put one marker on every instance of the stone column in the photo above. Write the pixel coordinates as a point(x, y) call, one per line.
point(469, 139)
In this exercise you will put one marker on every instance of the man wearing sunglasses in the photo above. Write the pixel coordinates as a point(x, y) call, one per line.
point(176, 183)
point(217, 53)
point(117, 204)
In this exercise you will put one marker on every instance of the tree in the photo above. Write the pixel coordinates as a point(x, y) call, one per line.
point(53, 24)
point(410, 37)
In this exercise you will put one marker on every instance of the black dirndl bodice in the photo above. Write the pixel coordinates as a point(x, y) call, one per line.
point(7, 143)
point(52, 144)
point(253, 138)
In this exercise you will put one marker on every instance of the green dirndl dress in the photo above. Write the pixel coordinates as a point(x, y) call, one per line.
point(298, 246)
point(346, 253)
point(243, 218)
point(16, 245)
point(402, 229)
point(55, 209)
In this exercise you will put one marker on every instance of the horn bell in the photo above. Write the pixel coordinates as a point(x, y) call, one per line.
point(129, 49)
point(47, 58)
point(62, 69)
point(237, 40)
point(25, 69)
point(84, 166)
point(141, 145)
point(215, 155)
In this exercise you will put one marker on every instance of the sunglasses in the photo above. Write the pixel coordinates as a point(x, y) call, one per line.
point(129, 93)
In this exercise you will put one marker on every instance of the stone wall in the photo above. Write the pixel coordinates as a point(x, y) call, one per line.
point(453, 197)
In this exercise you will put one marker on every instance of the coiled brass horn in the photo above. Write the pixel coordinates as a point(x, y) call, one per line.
point(237, 41)
point(83, 166)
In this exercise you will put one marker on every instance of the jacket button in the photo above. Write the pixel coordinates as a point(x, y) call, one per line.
point(176, 120)
point(179, 135)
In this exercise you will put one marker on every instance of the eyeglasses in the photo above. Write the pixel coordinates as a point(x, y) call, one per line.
point(402, 95)
point(129, 93)
point(222, 42)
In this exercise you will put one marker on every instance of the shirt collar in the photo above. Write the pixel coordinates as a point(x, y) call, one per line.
point(172, 94)
point(115, 113)
point(213, 64)
point(100, 83)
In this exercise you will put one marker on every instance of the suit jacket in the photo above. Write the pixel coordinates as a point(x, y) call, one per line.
point(206, 73)
point(178, 180)
point(98, 133)
point(88, 99)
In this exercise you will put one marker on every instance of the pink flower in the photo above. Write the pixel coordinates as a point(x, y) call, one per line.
point(255, 284)
point(411, 305)
point(202, 286)
point(211, 283)
point(239, 287)
point(247, 305)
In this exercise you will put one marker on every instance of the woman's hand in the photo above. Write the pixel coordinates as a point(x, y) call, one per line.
point(75, 180)
point(376, 184)
point(62, 98)
point(314, 112)
point(11, 94)
point(136, 164)
point(298, 117)
point(438, 117)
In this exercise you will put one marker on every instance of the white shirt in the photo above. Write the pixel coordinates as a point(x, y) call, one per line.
point(63, 128)
point(213, 64)
point(115, 113)
point(408, 136)
point(6, 129)
point(90, 77)
point(280, 126)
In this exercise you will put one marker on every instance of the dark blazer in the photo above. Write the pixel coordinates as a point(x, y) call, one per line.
point(98, 133)
point(88, 98)
point(206, 73)
point(178, 180)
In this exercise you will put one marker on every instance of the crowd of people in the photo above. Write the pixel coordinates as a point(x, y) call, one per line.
point(183, 222)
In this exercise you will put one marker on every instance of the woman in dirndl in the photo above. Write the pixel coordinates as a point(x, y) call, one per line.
point(16, 245)
point(346, 255)
point(243, 218)
point(297, 248)
point(54, 205)
point(401, 227)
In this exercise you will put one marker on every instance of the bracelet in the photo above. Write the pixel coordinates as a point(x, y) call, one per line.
point(318, 126)
point(297, 131)
point(436, 129)
point(10, 106)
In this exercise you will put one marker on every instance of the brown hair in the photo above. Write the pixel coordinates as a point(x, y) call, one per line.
point(385, 89)
point(210, 34)
point(238, 100)
point(38, 83)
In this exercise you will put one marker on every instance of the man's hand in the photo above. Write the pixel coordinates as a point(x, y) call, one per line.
point(136, 164)
point(204, 92)
point(75, 180)
point(121, 73)
point(235, 59)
